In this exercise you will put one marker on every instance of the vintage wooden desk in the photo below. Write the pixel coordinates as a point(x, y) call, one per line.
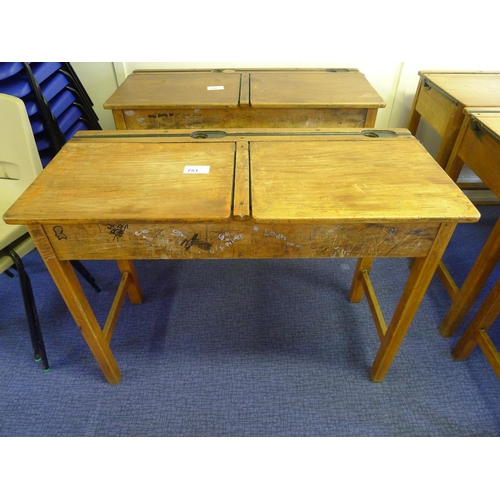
point(478, 145)
point(242, 194)
point(441, 97)
point(295, 98)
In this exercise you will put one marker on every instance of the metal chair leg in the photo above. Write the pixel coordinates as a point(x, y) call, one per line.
point(31, 312)
point(83, 271)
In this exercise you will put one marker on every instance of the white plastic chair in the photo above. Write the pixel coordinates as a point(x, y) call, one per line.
point(19, 165)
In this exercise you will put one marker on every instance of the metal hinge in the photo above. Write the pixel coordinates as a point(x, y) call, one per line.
point(428, 85)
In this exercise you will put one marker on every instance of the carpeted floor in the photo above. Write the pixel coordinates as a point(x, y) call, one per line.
point(246, 348)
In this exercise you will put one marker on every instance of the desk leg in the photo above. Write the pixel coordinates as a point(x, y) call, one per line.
point(356, 293)
point(450, 136)
point(455, 163)
point(134, 289)
point(475, 281)
point(66, 281)
point(421, 274)
point(371, 117)
point(413, 120)
point(476, 332)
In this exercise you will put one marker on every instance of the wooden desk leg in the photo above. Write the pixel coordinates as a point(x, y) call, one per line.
point(414, 118)
point(134, 289)
point(421, 273)
point(119, 119)
point(371, 117)
point(66, 281)
point(476, 332)
point(455, 163)
point(356, 293)
point(476, 279)
point(450, 136)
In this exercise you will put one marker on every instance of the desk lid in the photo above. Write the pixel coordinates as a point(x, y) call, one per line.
point(489, 118)
point(176, 90)
point(469, 89)
point(353, 179)
point(314, 89)
point(93, 180)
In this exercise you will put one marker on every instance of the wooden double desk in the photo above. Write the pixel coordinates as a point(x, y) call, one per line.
point(441, 98)
point(478, 145)
point(242, 194)
point(244, 98)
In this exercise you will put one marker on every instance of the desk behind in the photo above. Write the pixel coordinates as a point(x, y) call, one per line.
point(256, 98)
point(441, 97)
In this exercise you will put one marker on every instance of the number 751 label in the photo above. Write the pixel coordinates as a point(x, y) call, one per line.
point(198, 169)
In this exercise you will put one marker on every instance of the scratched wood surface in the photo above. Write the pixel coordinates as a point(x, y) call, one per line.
point(193, 118)
point(123, 181)
point(371, 181)
point(239, 240)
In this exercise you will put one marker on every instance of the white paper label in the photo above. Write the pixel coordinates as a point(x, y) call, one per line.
point(216, 87)
point(197, 169)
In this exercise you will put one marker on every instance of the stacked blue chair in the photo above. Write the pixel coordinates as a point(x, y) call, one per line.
point(57, 106)
point(56, 101)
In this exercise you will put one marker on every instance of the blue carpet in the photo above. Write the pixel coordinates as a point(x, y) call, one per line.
point(246, 348)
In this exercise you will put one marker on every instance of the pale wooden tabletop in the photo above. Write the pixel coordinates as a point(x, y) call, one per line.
point(350, 89)
point(470, 89)
point(176, 90)
point(338, 178)
point(357, 181)
point(93, 181)
point(489, 117)
point(266, 89)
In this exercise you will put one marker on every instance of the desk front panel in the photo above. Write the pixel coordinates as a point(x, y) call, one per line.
point(239, 240)
point(213, 118)
point(480, 150)
point(436, 108)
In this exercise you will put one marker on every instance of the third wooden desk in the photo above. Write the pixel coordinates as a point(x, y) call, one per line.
point(441, 97)
point(478, 145)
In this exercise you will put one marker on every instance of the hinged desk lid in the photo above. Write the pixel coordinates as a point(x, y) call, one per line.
point(352, 180)
point(470, 89)
point(314, 89)
point(489, 118)
point(96, 180)
point(149, 90)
